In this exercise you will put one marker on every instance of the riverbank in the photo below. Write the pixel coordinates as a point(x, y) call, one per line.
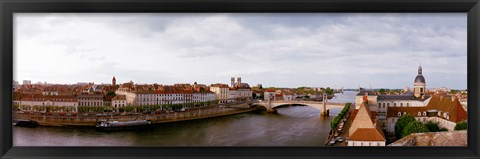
point(201, 113)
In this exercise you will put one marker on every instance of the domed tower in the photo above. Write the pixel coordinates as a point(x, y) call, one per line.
point(114, 81)
point(419, 84)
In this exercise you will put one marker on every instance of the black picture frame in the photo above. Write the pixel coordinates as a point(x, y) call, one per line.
point(8, 7)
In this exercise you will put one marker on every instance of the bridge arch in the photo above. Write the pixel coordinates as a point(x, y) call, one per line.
point(274, 105)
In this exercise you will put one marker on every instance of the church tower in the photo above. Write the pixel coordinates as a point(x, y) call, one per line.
point(419, 84)
point(114, 81)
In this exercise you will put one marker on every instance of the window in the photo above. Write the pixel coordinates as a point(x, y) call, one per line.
point(394, 104)
point(388, 104)
point(424, 113)
point(419, 114)
point(408, 104)
point(401, 104)
point(379, 105)
point(399, 114)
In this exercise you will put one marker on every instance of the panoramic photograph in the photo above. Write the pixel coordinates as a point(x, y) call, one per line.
point(240, 79)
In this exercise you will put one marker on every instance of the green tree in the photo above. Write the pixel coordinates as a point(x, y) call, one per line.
point(121, 109)
point(382, 90)
point(111, 93)
point(402, 122)
point(329, 91)
point(432, 127)
point(414, 127)
point(461, 125)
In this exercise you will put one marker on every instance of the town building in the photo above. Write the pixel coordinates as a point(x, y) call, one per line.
point(269, 94)
point(221, 92)
point(90, 100)
point(143, 95)
point(29, 102)
point(119, 101)
point(239, 91)
point(444, 110)
point(365, 129)
point(380, 103)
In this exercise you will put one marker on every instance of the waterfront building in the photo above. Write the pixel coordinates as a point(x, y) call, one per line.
point(221, 92)
point(143, 95)
point(365, 129)
point(90, 100)
point(119, 101)
point(29, 102)
point(288, 96)
point(269, 94)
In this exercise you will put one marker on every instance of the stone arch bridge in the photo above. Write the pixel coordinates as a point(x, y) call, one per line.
point(323, 106)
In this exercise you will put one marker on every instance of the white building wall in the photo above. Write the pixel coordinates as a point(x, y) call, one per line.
point(131, 97)
point(366, 143)
point(221, 93)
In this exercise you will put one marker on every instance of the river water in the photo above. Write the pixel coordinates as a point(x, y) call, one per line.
point(290, 126)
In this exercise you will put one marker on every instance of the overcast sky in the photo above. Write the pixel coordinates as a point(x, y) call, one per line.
point(282, 50)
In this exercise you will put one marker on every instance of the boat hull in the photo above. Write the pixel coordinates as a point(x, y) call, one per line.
point(117, 126)
point(26, 123)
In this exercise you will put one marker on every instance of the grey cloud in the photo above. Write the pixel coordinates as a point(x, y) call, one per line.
point(378, 49)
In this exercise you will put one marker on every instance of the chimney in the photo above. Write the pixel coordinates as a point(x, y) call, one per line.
point(423, 96)
point(441, 97)
point(453, 98)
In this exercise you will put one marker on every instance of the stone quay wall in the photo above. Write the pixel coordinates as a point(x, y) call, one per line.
point(79, 120)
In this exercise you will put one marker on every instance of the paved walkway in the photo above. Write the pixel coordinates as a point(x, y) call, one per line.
point(344, 133)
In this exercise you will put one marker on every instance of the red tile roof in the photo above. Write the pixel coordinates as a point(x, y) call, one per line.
point(120, 97)
point(439, 103)
point(366, 134)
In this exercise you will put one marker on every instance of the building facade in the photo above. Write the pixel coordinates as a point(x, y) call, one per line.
point(221, 92)
point(365, 129)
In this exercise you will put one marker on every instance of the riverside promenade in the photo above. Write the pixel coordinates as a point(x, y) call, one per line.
point(90, 120)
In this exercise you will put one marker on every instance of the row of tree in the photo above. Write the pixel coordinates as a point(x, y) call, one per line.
point(339, 117)
point(407, 125)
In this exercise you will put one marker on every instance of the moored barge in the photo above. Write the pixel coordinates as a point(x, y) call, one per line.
point(123, 125)
point(25, 123)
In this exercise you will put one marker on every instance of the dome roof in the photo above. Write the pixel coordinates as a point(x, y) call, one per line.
point(420, 79)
